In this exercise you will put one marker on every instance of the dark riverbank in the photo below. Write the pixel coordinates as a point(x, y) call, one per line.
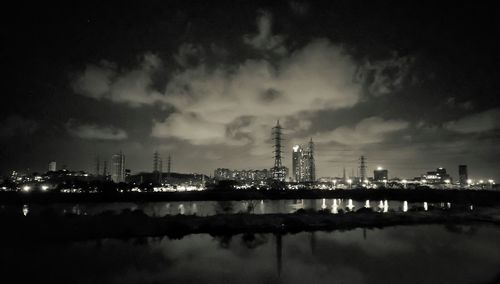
point(133, 224)
point(483, 197)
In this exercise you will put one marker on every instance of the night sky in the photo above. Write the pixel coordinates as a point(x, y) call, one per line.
point(412, 86)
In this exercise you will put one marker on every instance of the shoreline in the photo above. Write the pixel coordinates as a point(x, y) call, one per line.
point(476, 197)
point(136, 224)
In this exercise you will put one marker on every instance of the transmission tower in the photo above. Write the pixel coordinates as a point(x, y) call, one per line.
point(156, 161)
point(278, 170)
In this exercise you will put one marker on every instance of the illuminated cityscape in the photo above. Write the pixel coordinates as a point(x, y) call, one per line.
point(237, 141)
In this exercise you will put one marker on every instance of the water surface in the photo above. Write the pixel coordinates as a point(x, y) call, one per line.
point(404, 254)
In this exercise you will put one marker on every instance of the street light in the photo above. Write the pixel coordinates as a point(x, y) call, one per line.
point(349, 181)
point(469, 182)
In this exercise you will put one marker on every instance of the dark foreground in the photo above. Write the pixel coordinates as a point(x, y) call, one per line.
point(479, 197)
point(137, 224)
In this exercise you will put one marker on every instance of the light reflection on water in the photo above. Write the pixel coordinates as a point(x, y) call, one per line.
point(403, 254)
point(206, 208)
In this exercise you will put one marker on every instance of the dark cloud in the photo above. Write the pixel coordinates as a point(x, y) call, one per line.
point(95, 132)
point(475, 123)
point(15, 125)
point(264, 39)
point(393, 81)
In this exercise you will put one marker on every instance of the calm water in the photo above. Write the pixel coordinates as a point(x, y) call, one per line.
point(206, 208)
point(418, 254)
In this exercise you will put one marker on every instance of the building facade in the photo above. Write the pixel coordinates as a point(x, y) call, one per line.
point(118, 167)
point(52, 166)
point(303, 164)
point(463, 175)
point(380, 174)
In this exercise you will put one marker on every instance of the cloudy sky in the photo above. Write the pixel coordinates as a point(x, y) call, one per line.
point(412, 87)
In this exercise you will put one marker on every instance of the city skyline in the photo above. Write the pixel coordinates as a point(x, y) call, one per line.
point(209, 92)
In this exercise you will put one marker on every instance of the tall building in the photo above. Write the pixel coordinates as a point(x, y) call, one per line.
point(309, 164)
point(52, 166)
point(463, 175)
point(297, 165)
point(380, 174)
point(118, 167)
point(303, 165)
point(362, 168)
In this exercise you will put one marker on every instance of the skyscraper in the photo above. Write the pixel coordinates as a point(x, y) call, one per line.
point(362, 168)
point(118, 167)
point(52, 166)
point(304, 168)
point(463, 174)
point(310, 163)
point(297, 166)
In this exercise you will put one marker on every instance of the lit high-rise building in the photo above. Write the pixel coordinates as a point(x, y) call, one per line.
point(303, 165)
point(297, 166)
point(118, 167)
point(52, 166)
point(463, 175)
point(380, 174)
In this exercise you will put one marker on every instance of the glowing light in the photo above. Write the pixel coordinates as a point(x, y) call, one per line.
point(405, 206)
point(386, 206)
point(379, 168)
point(481, 181)
point(425, 206)
point(296, 148)
point(349, 181)
point(367, 204)
point(491, 181)
point(350, 206)
point(26, 188)
point(323, 206)
point(366, 181)
point(25, 209)
point(447, 181)
point(469, 181)
point(335, 207)
point(45, 187)
point(381, 205)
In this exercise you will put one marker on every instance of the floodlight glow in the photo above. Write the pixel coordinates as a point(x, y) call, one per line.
point(26, 188)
